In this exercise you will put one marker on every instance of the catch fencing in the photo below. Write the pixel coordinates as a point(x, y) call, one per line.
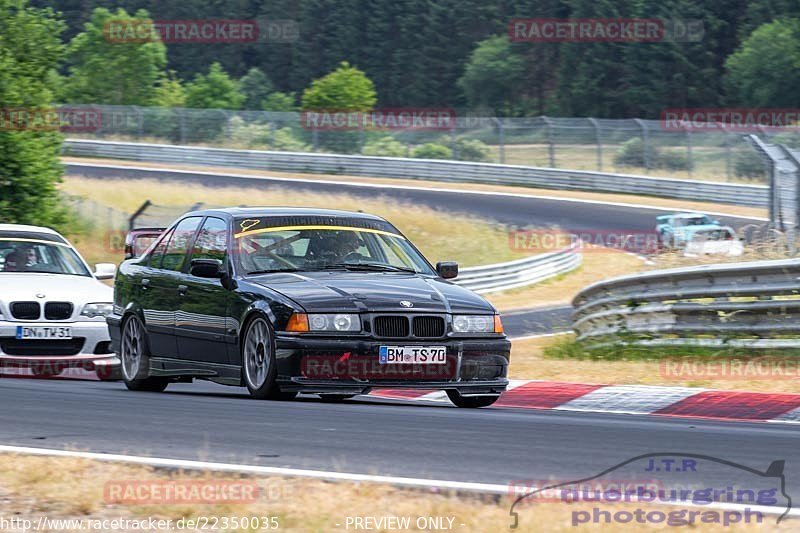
point(632, 146)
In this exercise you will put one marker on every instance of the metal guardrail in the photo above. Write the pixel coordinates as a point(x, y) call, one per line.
point(754, 304)
point(513, 274)
point(449, 171)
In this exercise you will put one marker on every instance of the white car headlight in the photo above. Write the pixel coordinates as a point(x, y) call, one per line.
point(337, 322)
point(97, 309)
point(473, 323)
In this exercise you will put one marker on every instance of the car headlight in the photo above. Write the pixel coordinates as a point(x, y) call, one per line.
point(97, 309)
point(338, 322)
point(477, 324)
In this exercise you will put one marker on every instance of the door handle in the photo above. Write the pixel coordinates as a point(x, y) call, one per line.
point(145, 283)
point(182, 289)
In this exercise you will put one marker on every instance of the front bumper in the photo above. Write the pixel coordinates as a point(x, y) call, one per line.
point(88, 349)
point(351, 366)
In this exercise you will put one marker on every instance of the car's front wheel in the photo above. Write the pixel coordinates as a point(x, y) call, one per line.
point(135, 357)
point(471, 402)
point(259, 368)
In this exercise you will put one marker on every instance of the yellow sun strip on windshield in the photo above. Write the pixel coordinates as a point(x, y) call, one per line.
point(38, 241)
point(292, 228)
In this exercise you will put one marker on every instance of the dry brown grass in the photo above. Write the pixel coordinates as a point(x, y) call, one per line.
point(460, 237)
point(32, 486)
point(666, 203)
point(529, 362)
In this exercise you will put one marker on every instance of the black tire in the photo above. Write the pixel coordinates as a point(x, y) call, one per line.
point(471, 402)
point(135, 358)
point(259, 368)
point(335, 397)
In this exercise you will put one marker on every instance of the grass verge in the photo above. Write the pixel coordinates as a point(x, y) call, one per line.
point(561, 358)
point(32, 487)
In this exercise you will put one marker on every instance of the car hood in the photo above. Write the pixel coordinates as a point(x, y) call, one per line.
point(21, 286)
point(369, 291)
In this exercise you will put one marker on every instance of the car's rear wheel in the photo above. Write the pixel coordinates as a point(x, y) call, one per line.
point(471, 402)
point(259, 368)
point(135, 357)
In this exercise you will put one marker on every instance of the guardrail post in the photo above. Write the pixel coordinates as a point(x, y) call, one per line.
point(689, 160)
point(645, 142)
point(501, 134)
point(551, 150)
point(598, 143)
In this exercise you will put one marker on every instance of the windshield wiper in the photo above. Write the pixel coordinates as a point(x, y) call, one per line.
point(381, 267)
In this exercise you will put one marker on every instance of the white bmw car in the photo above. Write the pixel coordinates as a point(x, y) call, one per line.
point(52, 306)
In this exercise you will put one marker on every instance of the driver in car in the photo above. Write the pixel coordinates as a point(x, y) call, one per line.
point(20, 259)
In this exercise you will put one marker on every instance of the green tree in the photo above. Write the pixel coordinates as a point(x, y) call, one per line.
point(493, 76)
point(216, 90)
point(169, 92)
point(30, 50)
point(344, 89)
point(104, 69)
point(255, 86)
point(765, 70)
point(279, 101)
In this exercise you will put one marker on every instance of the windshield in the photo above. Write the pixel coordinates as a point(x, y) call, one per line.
point(692, 221)
point(318, 248)
point(26, 255)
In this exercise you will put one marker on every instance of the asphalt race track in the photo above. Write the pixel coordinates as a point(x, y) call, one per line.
point(209, 422)
point(513, 210)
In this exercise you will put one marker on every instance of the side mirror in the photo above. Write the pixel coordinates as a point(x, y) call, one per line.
point(206, 268)
point(447, 269)
point(105, 270)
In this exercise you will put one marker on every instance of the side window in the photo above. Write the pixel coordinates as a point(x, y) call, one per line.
point(154, 260)
point(175, 254)
point(212, 241)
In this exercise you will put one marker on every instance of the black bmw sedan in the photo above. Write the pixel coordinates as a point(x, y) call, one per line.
point(289, 300)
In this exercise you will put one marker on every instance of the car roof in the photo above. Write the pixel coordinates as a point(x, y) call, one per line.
point(24, 228)
point(284, 211)
point(689, 215)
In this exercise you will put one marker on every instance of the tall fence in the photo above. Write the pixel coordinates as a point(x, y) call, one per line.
point(604, 145)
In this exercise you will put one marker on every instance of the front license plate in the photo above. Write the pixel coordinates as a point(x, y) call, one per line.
point(428, 355)
point(44, 332)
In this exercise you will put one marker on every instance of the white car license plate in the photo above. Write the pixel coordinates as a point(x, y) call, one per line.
point(44, 332)
point(427, 355)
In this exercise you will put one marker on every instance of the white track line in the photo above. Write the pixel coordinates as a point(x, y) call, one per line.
point(331, 476)
point(263, 470)
point(409, 188)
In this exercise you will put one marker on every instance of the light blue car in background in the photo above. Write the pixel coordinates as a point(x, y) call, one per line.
point(679, 229)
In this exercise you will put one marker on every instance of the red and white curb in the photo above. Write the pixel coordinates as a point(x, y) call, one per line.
point(619, 399)
point(633, 399)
